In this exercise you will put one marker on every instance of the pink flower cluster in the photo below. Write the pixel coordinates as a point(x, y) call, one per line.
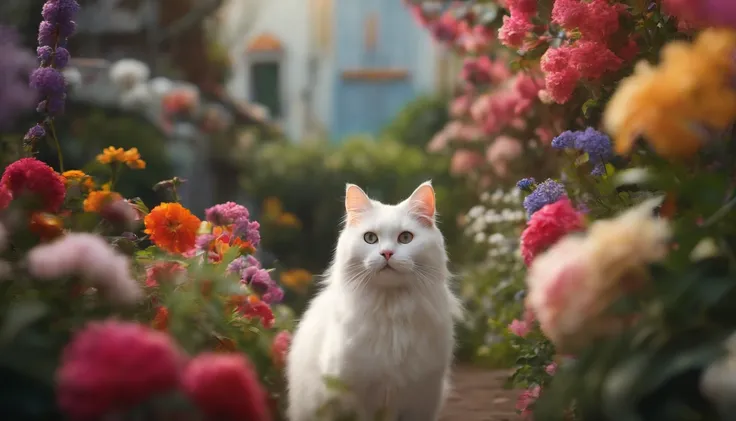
point(589, 57)
point(463, 33)
point(112, 366)
point(90, 258)
point(703, 12)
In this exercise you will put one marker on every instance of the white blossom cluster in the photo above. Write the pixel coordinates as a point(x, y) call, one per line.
point(495, 224)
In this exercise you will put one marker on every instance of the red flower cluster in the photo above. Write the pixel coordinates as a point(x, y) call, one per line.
point(113, 366)
point(547, 226)
point(590, 57)
point(280, 348)
point(29, 175)
point(518, 24)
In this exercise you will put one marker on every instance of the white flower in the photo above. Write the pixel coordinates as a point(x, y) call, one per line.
point(127, 73)
point(161, 86)
point(475, 211)
point(497, 195)
point(138, 96)
point(72, 76)
point(485, 197)
point(480, 237)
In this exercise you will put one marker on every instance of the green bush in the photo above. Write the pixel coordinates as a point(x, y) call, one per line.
point(419, 121)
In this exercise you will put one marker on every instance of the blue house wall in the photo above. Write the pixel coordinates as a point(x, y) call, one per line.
point(365, 105)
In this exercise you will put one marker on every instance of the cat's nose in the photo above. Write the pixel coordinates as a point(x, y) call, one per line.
point(386, 254)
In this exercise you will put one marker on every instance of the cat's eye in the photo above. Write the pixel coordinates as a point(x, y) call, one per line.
point(370, 237)
point(406, 237)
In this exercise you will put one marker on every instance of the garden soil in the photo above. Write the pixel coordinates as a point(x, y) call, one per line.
point(479, 395)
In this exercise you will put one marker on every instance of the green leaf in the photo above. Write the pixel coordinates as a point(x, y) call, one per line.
point(20, 315)
point(335, 384)
point(589, 106)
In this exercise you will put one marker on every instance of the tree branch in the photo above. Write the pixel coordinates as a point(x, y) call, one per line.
point(193, 17)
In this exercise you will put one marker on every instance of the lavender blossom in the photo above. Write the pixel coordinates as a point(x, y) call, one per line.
point(15, 94)
point(57, 25)
point(261, 282)
point(546, 192)
point(249, 231)
point(226, 213)
point(596, 144)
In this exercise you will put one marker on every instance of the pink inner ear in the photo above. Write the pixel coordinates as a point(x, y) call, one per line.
point(356, 202)
point(422, 202)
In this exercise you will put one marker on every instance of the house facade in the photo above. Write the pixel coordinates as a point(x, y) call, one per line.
point(331, 68)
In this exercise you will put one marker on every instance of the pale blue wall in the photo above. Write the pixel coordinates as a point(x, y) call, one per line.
point(366, 106)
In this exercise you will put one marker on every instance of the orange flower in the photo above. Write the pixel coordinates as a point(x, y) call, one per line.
point(172, 227)
point(296, 279)
point(111, 154)
point(288, 219)
point(224, 240)
point(47, 226)
point(96, 200)
point(161, 320)
point(78, 177)
point(131, 157)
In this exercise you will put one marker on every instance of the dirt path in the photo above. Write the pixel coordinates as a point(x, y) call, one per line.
point(479, 396)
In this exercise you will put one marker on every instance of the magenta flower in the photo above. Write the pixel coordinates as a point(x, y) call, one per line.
point(519, 328)
point(226, 213)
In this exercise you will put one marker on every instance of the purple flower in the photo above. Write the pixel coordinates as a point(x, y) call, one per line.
point(242, 263)
point(260, 281)
point(202, 242)
point(546, 192)
point(16, 96)
point(48, 81)
point(226, 213)
point(59, 11)
point(34, 133)
point(596, 144)
point(526, 184)
point(249, 231)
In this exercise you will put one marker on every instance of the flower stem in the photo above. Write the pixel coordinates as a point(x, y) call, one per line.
point(59, 154)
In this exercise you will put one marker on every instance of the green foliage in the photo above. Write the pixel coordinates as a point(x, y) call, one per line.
point(419, 121)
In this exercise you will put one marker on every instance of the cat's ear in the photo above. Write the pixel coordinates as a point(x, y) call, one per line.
point(422, 203)
point(356, 202)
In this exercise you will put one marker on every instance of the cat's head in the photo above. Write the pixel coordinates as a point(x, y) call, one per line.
point(391, 245)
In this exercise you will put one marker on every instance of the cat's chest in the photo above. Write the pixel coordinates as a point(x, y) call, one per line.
point(399, 345)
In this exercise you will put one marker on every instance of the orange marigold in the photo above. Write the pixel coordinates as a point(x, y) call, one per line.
point(96, 200)
point(172, 227)
point(131, 157)
point(78, 177)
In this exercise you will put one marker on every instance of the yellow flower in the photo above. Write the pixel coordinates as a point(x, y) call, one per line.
point(691, 88)
point(131, 157)
point(78, 177)
point(296, 279)
point(272, 207)
point(288, 219)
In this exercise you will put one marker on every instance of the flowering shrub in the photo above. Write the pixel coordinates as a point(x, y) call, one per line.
point(111, 310)
point(629, 248)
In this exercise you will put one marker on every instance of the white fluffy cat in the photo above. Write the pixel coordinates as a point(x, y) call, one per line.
point(383, 323)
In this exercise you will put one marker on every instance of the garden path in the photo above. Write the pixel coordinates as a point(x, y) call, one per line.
point(479, 395)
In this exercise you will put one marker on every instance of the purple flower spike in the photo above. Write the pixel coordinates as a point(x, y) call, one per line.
point(596, 144)
point(16, 96)
point(48, 81)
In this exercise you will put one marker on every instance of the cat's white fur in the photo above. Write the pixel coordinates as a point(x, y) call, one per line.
point(387, 334)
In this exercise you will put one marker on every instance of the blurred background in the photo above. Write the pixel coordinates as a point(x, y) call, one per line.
point(276, 104)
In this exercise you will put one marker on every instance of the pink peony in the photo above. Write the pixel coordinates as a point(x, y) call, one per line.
point(551, 369)
point(90, 258)
point(111, 366)
point(547, 226)
point(226, 387)
point(520, 328)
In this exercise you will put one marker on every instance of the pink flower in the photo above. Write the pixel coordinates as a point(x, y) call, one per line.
point(90, 258)
point(163, 272)
point(526, 8)
point(547, 226)
point(6, 196)
point(560, 77)
point(703, 12)
point(280, 348)
point(464, 161)
point(514, 30)
point(226, 387)
point(593, 59)
point(501, 152)
point(551, 369)
point(519, 328)
point(460, 105)
point(111, 366)
point(527, 399)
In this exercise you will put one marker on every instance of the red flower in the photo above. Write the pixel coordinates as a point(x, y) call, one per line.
point(280, 347)
point(163, 272)
point(5, 196)
point(258, 309)
point(593, 59)
point(514, 30)
point(35, 177)
point(226, 387)
point(547, 226)
point(111, 365)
